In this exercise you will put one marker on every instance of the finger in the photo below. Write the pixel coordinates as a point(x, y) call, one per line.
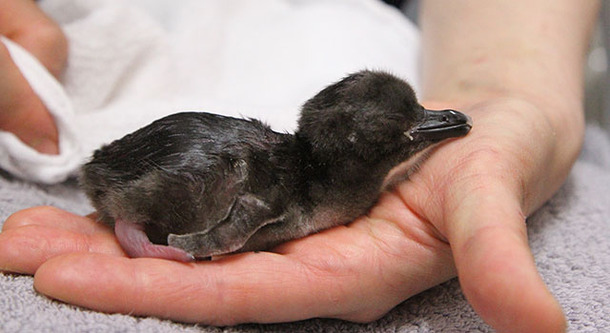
point(21, 111)
point(481, 217)
point(25, 23)
point(57, 218)
point(341, 273)
point(203, 292)
point(496, 268)
point(27, 243)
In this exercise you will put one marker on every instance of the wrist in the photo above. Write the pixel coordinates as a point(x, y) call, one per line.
point(543, 140)
point(561, 109)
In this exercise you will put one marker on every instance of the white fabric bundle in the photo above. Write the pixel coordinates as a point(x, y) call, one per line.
point(131, 62)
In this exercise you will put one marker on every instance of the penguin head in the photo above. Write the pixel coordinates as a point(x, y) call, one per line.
point(372, 116)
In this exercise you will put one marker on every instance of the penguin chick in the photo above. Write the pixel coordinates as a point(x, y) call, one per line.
point(194, 184)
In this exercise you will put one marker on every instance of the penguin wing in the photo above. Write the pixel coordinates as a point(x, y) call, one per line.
point(248, 214)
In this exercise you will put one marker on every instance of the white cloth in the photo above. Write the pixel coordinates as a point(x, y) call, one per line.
point(131, 62)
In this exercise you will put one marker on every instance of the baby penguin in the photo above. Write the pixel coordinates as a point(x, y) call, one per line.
point(193, 185)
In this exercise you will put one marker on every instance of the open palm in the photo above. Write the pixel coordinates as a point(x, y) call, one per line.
point(463, 212)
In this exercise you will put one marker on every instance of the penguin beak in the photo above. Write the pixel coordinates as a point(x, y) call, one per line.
point(440, 125)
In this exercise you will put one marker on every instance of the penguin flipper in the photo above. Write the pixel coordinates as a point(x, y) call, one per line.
point(248, 215)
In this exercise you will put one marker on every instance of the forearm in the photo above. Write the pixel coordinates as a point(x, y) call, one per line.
point(477, 49)
point(525, 59)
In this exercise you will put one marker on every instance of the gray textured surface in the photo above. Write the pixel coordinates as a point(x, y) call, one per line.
point(569, 237)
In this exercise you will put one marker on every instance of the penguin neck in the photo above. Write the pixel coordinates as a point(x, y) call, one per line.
point(341, 178)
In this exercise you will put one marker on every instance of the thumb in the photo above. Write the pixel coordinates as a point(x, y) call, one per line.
point(495, 266)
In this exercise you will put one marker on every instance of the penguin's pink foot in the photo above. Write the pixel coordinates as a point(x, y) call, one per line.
point(135, 243)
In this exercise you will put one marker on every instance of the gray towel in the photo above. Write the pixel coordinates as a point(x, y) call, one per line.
point(569, 237)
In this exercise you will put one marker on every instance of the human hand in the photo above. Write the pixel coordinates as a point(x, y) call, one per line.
point(478, 192)
point(464, 208)
point(21, 111)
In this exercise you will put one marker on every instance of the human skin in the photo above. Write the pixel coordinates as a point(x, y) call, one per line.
point(21, 111)
point(522, 63)
point(514, 67)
